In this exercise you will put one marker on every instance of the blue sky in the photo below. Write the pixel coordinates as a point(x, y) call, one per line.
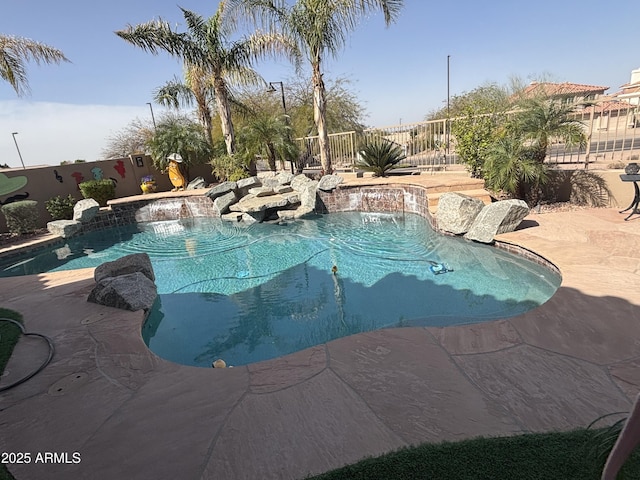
point(399, 73)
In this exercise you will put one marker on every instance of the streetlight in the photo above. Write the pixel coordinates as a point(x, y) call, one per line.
point(152, 117)
point(19, 154)
point(448, 120)
point(272, 89)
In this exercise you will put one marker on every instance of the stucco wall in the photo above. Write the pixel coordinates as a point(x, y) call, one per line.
point(44, 183)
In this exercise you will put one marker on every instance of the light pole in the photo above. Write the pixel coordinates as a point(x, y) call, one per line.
point(284, 108)
point(17, 148)
point(448, 126)
point(152, 117)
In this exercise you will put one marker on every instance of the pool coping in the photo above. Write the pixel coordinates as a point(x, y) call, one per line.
point(557, 367)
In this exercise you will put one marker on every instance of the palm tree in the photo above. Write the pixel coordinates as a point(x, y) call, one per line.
point(196, 88)
point(178, 134)
point(16, 51)
point(207, 49)
point(542, 119)
point(510, 166)
point(319, 28)
point(270, 136)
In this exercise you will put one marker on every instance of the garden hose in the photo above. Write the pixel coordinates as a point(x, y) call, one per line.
point(41, 367)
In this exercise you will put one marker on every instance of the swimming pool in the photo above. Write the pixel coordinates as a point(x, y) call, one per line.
point(246, 293)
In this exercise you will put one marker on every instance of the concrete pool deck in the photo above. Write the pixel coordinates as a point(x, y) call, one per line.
point(130, 414)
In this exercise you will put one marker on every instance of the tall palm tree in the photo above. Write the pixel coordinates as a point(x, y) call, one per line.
point(196, 88)
point(319, 28)
point(16, 51)
point(542, 119)
point(206, 48)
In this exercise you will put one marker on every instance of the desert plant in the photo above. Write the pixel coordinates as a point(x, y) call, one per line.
point(21, 217)
point(228, 168)
point(60, 208)
point(617, 165)
point(379, 157)
point(100, 190)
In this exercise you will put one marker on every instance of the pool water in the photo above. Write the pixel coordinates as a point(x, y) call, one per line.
point(246, 293)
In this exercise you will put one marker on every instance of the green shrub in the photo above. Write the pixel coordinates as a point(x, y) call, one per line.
point(379, 157)
point(228, 168)
point(60, 208)
point(100, 190)
point(22, 217)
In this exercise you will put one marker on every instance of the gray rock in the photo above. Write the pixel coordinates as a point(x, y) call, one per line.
point(64, 228)
point(247, 183)
point(283, 189)
point(136, 262)
point(251, 204)
point(223, 202)
point(232, 216)
point(134, 291)
point(496, 218)
point(300, 181)
point(196, 183)
point(308, 195)
point(253, 217)
point(85, 210)
point(456, 212)
point(261, 191)
point(280, 179)
point(329, 182)
point(264, 175)
point(221, 189)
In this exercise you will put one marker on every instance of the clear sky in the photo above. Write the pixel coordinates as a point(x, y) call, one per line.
point(399, 73)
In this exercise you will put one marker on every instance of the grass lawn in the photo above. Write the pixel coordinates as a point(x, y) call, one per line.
point(9, 335)
point(552, 456)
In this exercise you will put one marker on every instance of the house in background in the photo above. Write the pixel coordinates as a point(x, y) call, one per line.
point(566, 92)
point(631, 91)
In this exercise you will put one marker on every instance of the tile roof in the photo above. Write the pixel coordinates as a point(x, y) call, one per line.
point(560, 89)
point(607, 106)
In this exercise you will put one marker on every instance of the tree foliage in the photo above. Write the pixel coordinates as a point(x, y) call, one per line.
point(130, 140)
point(15, 52)
point(179, 134)
point(319, 28)
point(211, 57)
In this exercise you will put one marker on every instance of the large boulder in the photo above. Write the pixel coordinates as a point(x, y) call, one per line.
point(223, 202)
point(329, 182)
point(133, 291)
point(247, 183)
point(496, 218)
point(197, 183)
point(136, 262)
point(456, 212)
point(299, 182)
point(64, 228)
point(85, 210)
point(221, 189)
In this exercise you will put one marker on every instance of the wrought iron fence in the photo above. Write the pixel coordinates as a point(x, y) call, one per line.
point(612, 128)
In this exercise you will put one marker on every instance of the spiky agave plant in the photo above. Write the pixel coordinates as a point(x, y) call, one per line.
point(379, 157)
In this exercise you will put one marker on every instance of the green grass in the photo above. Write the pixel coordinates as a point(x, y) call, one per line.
point(9, 335)
point(552, 456)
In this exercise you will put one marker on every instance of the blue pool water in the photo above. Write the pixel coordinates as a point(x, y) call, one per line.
point(246, 293)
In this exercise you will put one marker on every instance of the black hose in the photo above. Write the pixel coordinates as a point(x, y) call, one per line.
point(41, 367)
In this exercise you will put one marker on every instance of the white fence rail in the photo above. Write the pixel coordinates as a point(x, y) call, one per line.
point(612, 129)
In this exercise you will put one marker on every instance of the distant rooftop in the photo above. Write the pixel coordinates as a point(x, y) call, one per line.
point(562, 89)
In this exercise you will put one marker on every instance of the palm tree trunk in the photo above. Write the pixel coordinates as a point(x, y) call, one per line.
point(224, 110)
point(319, 114)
